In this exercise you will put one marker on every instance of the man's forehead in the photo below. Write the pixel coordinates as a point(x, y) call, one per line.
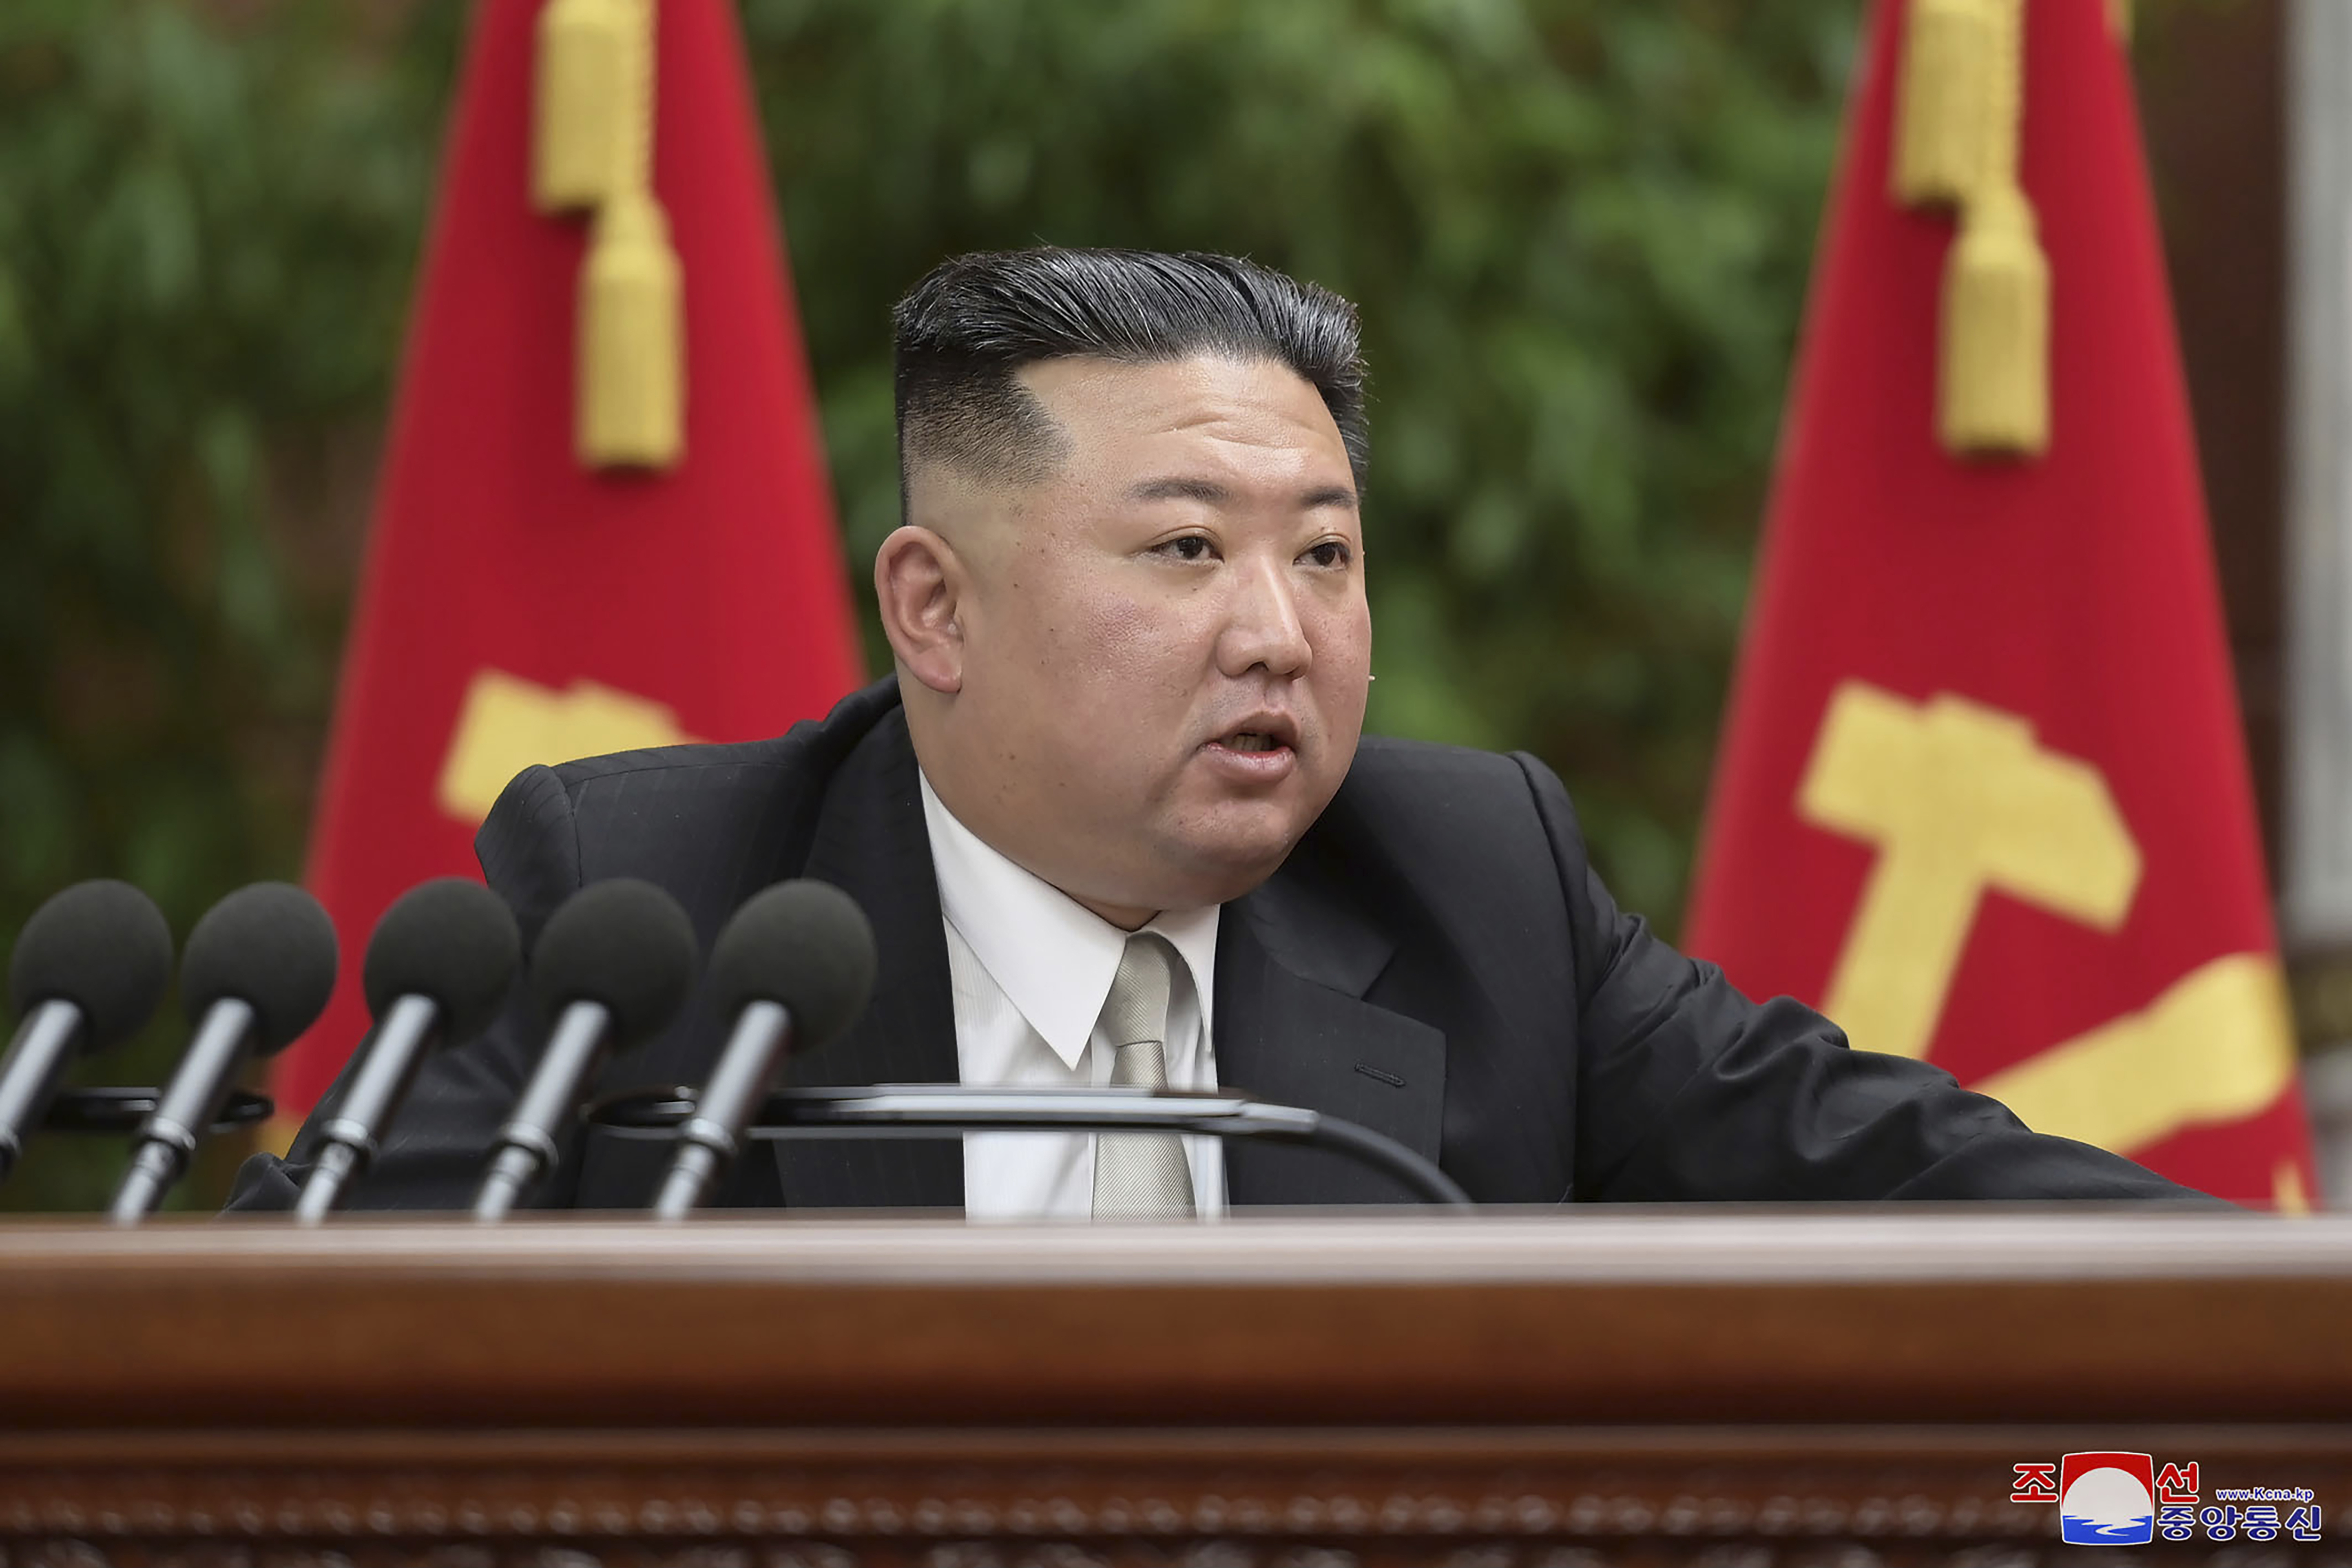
point(1207, 400)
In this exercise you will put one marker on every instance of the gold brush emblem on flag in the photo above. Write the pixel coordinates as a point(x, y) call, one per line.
point(506, 724)
point(1961, 800)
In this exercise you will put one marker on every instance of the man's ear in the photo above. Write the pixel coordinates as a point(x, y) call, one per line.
point(922, 584)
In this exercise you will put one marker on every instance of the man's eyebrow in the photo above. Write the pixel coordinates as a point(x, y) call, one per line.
point(1209, 492)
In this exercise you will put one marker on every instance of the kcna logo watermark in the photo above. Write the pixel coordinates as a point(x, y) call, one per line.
point(2124, 1499)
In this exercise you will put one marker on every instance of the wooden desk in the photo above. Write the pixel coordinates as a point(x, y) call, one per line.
point(1556, 1388)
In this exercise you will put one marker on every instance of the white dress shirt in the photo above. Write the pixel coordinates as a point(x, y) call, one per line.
point(1031, 968)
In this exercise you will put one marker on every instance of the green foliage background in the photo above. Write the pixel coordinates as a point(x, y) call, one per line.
point(1578, 230)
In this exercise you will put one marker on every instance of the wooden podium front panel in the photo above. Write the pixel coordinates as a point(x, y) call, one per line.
point(1567, 1389)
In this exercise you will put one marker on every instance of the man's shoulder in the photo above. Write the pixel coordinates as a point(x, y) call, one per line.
point(1393, 761)
point(700, 819)
point(813, 747)
point(699, 766)
point(1453, 806)
point(1418, 777)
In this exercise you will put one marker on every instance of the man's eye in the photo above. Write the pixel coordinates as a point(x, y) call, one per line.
point(1191, 547)
point(1330, 553)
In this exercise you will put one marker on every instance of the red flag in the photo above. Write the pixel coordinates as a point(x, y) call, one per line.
point(1981, 794)
point(520, 606)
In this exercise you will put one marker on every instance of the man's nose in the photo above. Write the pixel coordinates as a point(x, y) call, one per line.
point(1264, 627)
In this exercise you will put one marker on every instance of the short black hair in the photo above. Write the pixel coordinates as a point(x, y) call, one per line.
point(976, 319)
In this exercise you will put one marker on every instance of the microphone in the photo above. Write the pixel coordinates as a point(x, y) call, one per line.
point(258, 972)
point(613, 967)
point(792, 968)
point(438, 970)
point(89, 969)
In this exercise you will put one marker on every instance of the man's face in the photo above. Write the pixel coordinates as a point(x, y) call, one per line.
point(1164, 645)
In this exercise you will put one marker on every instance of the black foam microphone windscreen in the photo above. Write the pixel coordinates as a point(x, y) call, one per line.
point(451, 940)
point(270, 946)
point(624, 944)
point(88, 971)
point(101, 946)
point(804, 945)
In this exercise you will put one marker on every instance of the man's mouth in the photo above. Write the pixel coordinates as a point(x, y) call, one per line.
point(1261, 750)
point(1259, 733)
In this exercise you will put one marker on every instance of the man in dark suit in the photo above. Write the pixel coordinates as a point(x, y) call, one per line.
point(1112, 823)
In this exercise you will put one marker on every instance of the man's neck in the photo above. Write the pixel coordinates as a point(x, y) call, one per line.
point(1125, 920)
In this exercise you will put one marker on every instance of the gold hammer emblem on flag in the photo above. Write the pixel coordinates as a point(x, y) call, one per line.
point(1961, 800)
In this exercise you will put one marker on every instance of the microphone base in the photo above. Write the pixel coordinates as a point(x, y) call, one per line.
point(321, 1193)
point(152, 1171)
point(510, 1176)
point(690, 1177)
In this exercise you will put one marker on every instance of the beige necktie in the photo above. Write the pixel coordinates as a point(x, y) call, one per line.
point(1140, 1176)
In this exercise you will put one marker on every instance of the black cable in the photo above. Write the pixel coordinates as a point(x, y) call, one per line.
point(123, 1110)
point(930, 1110)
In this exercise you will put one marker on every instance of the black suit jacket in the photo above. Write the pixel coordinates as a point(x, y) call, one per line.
point(1435, 961)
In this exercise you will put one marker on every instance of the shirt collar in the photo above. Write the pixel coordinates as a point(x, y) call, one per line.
point(1052, 957)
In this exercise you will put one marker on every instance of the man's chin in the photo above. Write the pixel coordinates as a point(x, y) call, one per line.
point(1234, 852)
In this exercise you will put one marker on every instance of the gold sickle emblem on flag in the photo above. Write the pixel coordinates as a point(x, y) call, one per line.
point(1961, 800)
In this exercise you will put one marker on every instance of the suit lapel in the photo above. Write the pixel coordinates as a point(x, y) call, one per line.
point(869, 841)
point(1293, 963)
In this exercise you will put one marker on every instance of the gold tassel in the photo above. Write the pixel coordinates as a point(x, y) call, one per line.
point(592, 146)
point(1994, 396)
point(1992, 393)
point(1943, 97)
point(580, 102)
point(630, 372)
